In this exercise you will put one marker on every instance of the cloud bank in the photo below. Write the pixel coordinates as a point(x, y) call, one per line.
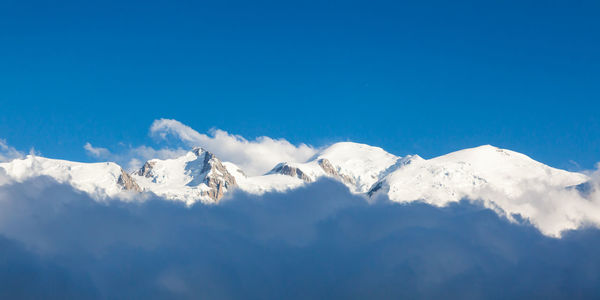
point(254, 157)
point(549, 208)
point(316, 242)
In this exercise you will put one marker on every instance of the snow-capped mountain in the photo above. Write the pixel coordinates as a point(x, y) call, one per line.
point(510, 183)
point(469, 173)
point(358, 166)
point(100, 180)
point(478, 173)
point(505, 181)
point(196, 176)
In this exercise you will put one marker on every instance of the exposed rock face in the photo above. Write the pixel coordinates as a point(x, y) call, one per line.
point(197, 175)
point(376, 187)
point(217, 178)
point(126, 181)
point(325, 164)
point(286, 169)
point(329, 169)
point(146, 169)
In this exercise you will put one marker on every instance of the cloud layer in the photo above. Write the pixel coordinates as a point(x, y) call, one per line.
point(315, 242)
point(549, 208)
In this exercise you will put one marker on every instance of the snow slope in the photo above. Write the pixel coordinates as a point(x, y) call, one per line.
point(465, 173)
point(196, 176)
point(363, 163)
point(358, 166)
point(100, 180)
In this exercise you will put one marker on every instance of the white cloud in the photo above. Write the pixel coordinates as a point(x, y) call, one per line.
point(594, 174)
point(96, 151)
point(254, 157)
point(8, 153)
point(164, 127)
point(553, 210)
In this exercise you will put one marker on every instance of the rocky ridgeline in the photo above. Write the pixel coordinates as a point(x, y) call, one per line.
point(203, 167)
point(146, 169)
point(127, 182)
point(325, 165)
point(286, 169)
point(328, 168)
point(217, 178)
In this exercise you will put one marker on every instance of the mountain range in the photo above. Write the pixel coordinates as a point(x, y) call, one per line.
point(201, 176)
point(510, 183)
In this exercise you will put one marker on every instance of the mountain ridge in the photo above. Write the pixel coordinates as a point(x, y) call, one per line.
point(200, 176)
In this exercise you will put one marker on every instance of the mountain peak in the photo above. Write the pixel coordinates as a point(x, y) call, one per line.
point(198, 151)
point(198, 175)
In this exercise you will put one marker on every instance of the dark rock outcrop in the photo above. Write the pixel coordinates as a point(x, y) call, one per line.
point(328, 168)
point(127, 182)
point(217, 178)
point(375, 188)
point(286, 169)
point(146, 169)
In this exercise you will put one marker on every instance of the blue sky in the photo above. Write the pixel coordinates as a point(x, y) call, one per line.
point(426, 78)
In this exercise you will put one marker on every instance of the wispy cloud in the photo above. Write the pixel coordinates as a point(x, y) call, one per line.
point(254, 156)
point(96, 151)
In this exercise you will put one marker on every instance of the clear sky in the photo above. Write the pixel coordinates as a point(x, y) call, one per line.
point(422, 77)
